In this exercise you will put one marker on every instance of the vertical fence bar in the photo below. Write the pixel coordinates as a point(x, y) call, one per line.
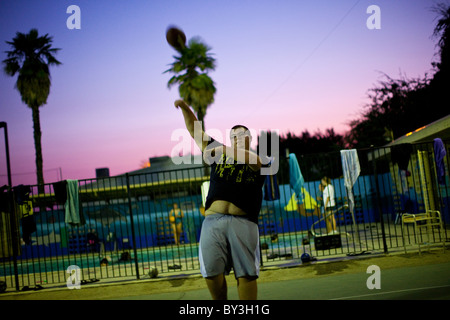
point(377, 189)
point(14, 234)
point(39, 261)
point(130, 209)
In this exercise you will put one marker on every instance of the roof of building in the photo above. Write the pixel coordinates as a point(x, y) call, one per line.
point(437, 129)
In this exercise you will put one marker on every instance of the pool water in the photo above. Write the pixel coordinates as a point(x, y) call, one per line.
point(92, 260)
point(283, 244)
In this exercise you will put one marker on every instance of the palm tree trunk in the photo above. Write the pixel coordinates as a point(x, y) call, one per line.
point(38, 148)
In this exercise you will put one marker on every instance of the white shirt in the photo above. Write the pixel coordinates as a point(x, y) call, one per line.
point(328, 193)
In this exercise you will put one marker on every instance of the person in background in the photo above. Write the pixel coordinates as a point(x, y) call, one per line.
point(329, 204)
point(176, 222)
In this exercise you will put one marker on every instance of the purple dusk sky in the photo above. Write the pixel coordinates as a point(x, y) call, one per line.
point(285, 65)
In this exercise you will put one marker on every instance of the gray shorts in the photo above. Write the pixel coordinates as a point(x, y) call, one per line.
point(226, 242)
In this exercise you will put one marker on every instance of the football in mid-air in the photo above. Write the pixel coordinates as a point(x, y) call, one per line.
point(176, 38)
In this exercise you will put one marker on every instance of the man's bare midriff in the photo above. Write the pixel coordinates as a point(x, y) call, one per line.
point(224, 207)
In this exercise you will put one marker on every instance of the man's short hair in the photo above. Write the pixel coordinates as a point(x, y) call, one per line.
point(239, 126)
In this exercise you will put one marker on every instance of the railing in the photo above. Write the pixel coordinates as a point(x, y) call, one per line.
point(128, 234)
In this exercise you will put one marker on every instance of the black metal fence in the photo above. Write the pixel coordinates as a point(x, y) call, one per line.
point(120, 227)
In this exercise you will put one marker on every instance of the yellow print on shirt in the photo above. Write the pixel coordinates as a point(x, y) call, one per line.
point(229, 171)
point(225, 169)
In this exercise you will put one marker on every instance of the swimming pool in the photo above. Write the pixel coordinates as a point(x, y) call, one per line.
point(165, 258)
point(157, 256)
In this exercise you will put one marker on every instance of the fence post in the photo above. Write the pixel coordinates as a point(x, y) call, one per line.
point(377, 192)
point(14, 235)
point(130, 209)
point(12, 207)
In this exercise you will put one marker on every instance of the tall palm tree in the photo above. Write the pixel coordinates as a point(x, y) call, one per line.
point(30, 58)
point(191, 73)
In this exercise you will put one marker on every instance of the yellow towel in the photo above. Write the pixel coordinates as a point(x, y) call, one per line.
point(310, 202)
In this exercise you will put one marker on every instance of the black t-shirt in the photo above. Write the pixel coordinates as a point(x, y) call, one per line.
point(235, 183)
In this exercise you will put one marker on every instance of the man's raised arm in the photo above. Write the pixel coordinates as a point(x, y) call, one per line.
point(193, 125)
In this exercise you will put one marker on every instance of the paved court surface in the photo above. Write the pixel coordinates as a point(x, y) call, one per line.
point(400, 277)
point(427, 282)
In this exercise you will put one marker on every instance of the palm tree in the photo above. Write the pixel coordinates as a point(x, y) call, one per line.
point(191, 73)
point(30, 58)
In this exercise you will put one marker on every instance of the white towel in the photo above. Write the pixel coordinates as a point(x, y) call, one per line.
point(351, 170)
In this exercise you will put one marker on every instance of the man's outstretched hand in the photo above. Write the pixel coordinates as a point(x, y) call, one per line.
point(181, 104)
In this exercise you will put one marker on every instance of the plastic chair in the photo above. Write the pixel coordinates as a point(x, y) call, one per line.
point(430, 219)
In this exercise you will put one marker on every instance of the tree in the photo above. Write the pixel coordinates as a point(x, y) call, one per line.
point(399, 106)
point(312, 144)
point(307, 147)
point(191, 73)
point(442, 31)
point(439, 94)
point(30, 58)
